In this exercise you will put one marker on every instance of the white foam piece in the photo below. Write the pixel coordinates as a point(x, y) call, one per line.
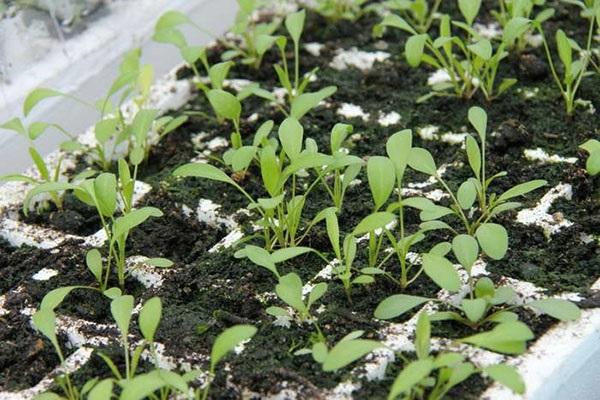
point(539, 154)
point(538, 215)
point(44, 274)
point(388, 119)
point(349, 110)
point(354, 57)
point(314, 48)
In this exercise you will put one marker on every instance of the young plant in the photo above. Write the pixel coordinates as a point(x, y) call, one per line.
point(432, 376)
point(592, 164)
point(344, 167)
point(349, 349)
point(515, 10)
point(281, 213)
point(471, 64)
point(295, 86)
point(573, 70)
point(290, 291)
point(105, 193)
point(484, 305)
point(256, 38)
point(336, 10)
point(416, 12)
point(478, 230)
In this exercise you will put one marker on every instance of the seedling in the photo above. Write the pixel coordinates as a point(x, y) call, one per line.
point(573, 70)
point(592, 164)
point(486, 304)
point(470, 64)
point(104, 194)
point(336, 10)
point(289, 290)
point(281, 213)
point(349, 349)
point(416, 12)
point(432, 376)
point(256, 37)
point(516, 10)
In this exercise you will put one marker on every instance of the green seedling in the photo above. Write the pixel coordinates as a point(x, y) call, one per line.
point(289, 290)
point(573, 70)
point(592, 164)
point(336, 10)
point(348, 350)
point(263, 258)
point(471, 64)
point(515, 10)
point(432, 376)
point(417, 13)
point(256, 38)
point(487, 305)
point(282, 163)
point(344, 167)
point(104, 193)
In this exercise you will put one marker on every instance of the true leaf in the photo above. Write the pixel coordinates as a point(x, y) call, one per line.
point(372, 222)
point(522, 189)
point(93, 260)
point(228, 340)
point(507, 376)
point(202, 170)
point(381, 179)
point(414, 49)
point(291, 135)
point(507, 337)
point(294, 23)
point(121, 309)
point(466, 250)
point(348, 351)
point(149, 318)
point(422, 161)
point(398, 148)
point(410, 376)
point(441, 271)
point(225, 104)
point(37, 95)
point(398, 304)
point(493, 239)
point(563, 310)
point(478, 118)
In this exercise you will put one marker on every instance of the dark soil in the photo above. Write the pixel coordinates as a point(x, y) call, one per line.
point(209, 292)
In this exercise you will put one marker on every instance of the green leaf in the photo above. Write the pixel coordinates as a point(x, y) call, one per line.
point(441, 271)
point(422, 161)
point(105, 129)
point(422, 335)
point(141, 125)
point(149, 318)
point(93, 260)
point(261, 257)
point(288, 253)
point(466, 250)
point(333, 232)
point(507, 376)
point(414, 49)
point(397, 304)
point(159, 262)
point(564, 50)
point(522, 189)
point(482, 48)
point(469, 9)
point(228, 340)
point(410, 376)
point(225, 104)
point(40, 164)
point(170, 20)
point(55, 297)
point(44, 321)
point(291, 135)
point(563, 310)
point(478, 118)
point(339, 133)
point(316, 293)
point(16, 125)
point(507, 337)
point(307, 101)
point(515, 28)
point(102, 390)
point(493, 240)
point(372, 222)
point(396, 21)
point(289, 289)
point(270, 170)
point(37, 95)
point(466, 195)
point(474, 309)
point(441, 248)
point(348, 351)
point(121, 309)
point(126, 223)
point(202, 170)
point(474, 156)
point(218, 72)
point(319, 352)
point(398, 148)
point(105, 191)
point(485, 288)
point(380, 171)
point(294, 23)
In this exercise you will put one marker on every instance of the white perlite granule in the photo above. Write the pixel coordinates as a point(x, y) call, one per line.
point(353, 57)
point(314, 48)
point(539, 216)
point(542, 156)
point(349, 110)
point(391, 118)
